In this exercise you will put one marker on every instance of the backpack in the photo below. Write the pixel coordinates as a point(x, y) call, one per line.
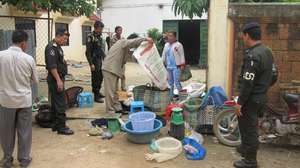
point(274, 74)
point(71, 95)
point(44, 117)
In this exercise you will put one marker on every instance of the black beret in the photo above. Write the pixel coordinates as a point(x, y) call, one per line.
point(98, 24)
point(250, 25)
point(60, 32)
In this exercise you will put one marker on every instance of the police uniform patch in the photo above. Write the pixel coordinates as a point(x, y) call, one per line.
point(89, 39)
point(52, 52)
point(249, 76)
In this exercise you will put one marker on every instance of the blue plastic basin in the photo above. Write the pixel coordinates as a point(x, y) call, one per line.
point(142, 137)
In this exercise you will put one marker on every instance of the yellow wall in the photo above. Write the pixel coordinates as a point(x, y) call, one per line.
point(218, 45)
point(75, 50)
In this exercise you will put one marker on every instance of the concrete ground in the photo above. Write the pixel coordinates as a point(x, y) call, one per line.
point(50, 150)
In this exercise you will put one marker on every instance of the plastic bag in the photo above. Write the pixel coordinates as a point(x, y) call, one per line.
point(193, 150)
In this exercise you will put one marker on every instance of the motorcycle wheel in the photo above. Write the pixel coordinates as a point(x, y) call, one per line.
point(226, 128)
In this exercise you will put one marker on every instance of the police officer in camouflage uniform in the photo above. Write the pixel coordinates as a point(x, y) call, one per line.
point(255, 80)
point(95, 54)
point(57, 70)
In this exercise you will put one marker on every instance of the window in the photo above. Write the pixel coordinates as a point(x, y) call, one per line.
point(26, 24)
point(64, 26)
point(85, 31)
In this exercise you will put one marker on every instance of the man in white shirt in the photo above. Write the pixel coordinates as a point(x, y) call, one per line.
point(17, 74)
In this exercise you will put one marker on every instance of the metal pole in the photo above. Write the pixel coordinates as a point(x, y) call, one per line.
point(49, 35)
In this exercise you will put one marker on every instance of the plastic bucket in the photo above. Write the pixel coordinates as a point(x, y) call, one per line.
point(142, 121)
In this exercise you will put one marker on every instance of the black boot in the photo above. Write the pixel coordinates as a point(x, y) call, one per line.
point(97, 98)
point(245, 164)
point(65, 131)
point(101, 95)
point(249, 161)
point(6, 162)
point(240, 150)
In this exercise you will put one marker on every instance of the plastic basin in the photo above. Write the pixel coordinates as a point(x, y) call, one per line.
point(142, 121)
point(142, 137)
point(169, 145)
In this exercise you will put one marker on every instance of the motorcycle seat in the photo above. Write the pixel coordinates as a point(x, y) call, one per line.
point(291, 98)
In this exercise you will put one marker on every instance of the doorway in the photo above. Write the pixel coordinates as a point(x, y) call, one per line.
point(189, 36)
point(193, 36)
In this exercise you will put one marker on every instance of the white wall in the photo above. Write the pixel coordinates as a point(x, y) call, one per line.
point(137, 15)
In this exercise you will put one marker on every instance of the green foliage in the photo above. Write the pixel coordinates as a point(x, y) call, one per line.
point(156, 35)
point(73, 7)
point(264, 0)
point(190, 8)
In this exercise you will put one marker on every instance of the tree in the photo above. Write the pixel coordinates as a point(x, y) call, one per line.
point(193, 8)
point(73, 7)
point(190, 8)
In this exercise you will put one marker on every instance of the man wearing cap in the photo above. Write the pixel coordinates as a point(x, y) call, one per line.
point(95, 54)
point(255, 80)
point(57, 70)
point(113, 66)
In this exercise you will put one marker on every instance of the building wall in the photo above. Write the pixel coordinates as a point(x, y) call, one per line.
point(75, 50)
point(137, 15)
point(280, 31)
point(218, 44)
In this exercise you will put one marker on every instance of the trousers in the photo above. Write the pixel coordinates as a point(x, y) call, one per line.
point(248, 128)
point(58, 105)
point(174, 79)
point(97, 77)
point(16, 120)
point(112, 103)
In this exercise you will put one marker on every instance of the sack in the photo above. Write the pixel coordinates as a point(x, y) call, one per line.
point(71, 95)
point(150, 60)
point(186, 74)
point(44, 117)
point(274, 74)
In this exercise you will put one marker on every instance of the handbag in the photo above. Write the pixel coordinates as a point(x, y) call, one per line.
point(207, 116)
point(186, 74)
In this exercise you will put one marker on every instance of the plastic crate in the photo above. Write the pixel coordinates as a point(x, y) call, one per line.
point(85, 99)
point(142, 121)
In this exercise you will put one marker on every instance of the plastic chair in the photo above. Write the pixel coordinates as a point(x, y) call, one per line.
point(137, 105)
point(85, 99)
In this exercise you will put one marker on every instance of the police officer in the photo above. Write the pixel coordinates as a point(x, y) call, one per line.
point(57, 69)
point(255, 80)
point(95, 54)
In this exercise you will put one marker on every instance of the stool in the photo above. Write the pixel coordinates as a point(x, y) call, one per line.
point(85, 99)
point(135, 105)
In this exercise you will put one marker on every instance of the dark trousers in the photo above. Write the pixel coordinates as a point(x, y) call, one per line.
point(16, 122)
point(97, 78)
point(248, 128)
point(58, 105)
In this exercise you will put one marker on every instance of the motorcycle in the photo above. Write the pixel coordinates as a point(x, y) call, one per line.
point(275, 126)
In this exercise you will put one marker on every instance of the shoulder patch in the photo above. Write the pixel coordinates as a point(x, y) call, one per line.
point(52, 52)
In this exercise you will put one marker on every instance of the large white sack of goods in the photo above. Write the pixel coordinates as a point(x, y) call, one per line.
point(149, 58)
